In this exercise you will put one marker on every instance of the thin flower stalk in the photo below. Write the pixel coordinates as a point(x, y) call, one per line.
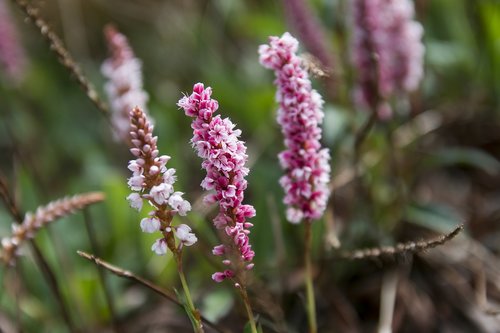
point(153, 182)
point(43, 216)
point(387, 52)
point(217, 142)
point(12, 56)
point(124, 87)
point(306, 163)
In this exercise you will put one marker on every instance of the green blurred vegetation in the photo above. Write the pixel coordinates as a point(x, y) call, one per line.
point(53, 143)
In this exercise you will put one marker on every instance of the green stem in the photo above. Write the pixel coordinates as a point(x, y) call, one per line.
point(246, 301)
point(311, 304)
point(195, 315)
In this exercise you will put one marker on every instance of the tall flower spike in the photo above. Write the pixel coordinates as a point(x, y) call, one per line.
point(306, 165)
point(152, 181)
point(124, 87)
point(12, 57)
point(43, 216)
point(387, 51)
point(224, 157)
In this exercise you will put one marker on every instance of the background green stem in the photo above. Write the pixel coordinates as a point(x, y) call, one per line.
point(195, 315)
point(246, 301)
point(311, 303)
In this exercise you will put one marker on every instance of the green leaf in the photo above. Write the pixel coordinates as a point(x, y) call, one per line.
point(217, 304)
point(465, 156)
point(186, 309)
point(437, 217)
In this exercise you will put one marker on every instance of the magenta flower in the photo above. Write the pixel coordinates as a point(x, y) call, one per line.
point(306, 165)
point(224, 157)
point(152, 181)
point(12, 56)
point(124, 87)
point(387, 51)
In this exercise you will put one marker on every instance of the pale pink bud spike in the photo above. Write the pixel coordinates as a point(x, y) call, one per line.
point(12, 56)
point(387, 52)
point(152, 181)
point(300, 114)
point(124, 87)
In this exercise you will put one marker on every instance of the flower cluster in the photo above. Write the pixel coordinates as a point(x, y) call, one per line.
point(152, 181)
point(224, 157)
point(12, 57)
point(387, 51)
point(309, 30)
point(124, 87)
point(43, 216)
point(306, 165)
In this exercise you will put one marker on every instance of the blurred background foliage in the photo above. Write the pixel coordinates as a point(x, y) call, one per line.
point(438, 168)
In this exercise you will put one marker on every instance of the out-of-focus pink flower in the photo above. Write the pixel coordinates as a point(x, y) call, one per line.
point(221, 276)
point(309, 30)
point(153, 181)
point(12, 56)
point(124, 87)
point(217, 142)
point(306, 164)
point(387, 51)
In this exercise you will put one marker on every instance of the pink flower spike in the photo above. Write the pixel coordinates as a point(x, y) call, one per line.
point(12, 55)
point(124, 87)
point(300, 114)
point(217, 141)
point(385, 30)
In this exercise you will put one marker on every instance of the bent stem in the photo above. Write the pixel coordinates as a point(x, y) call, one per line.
point(311, 303)
point(170, 295)
point(195, 314)
point(248, 307)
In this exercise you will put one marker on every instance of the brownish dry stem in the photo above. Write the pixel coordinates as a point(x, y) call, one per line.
point(57, 46)
point(9, 201)
point(401, 248)
point(148, 284)
point(40, 260)
point(248, 307)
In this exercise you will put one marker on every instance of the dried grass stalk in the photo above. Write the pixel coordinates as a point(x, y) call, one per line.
point(401, 248)
point(43, 216)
